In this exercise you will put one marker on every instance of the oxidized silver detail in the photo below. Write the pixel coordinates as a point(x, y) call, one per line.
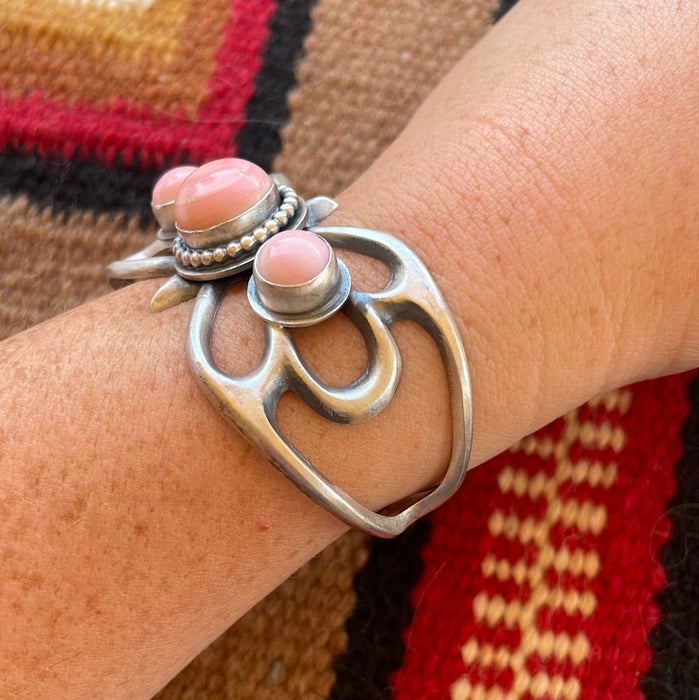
point(249, 402)
point(239, 249)
point(304, 304)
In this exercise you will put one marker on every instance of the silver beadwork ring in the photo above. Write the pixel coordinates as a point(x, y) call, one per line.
point(298, 280)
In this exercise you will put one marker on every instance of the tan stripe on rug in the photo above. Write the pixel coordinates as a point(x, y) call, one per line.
point(50, 263)
point(160, 57)
point(366, 71)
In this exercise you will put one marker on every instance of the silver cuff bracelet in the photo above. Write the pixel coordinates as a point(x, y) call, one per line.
point(229, 220)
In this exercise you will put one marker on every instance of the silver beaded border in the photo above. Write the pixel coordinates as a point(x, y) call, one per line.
point(193, 258)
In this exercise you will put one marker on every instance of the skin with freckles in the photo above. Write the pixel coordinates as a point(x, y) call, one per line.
point(554, 195)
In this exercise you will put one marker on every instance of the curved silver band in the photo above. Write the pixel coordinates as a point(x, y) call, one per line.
point(250, 402)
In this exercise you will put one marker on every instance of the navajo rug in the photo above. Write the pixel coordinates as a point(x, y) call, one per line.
point(568, 567)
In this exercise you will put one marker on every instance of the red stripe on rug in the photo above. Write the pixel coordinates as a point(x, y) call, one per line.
point(637, 527)
point(540, 574)
point(129, 130)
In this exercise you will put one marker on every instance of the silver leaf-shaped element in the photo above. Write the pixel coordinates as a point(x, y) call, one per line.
point(319, 208)
point(173, 292)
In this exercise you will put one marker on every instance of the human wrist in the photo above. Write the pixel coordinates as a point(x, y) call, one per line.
point(561, 267)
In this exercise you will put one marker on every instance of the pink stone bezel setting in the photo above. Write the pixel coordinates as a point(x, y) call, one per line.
point(164, 212)
point(304, 304)
point(200, 239)
point(230, 247)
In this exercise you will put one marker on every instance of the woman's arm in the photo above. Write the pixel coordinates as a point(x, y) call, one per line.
point(550, 183)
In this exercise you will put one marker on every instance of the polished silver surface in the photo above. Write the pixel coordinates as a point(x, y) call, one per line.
point(233, 228)
point(249, 402)
point(243, 255)
point(151, 261)
point(301, 304)
point(173, 292)
point(319, 208)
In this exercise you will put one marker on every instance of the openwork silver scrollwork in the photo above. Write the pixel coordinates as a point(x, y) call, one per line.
point(250, 402)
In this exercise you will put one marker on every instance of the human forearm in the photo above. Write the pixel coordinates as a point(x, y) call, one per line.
point(134, 537)
point(559, 169)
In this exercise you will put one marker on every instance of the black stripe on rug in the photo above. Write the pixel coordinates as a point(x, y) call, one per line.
point(674, 641)
point(68, 185)
point(267, 111)
point(505, 7)
point(375, 647)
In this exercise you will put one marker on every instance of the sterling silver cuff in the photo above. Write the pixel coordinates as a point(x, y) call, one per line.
point(301, 290)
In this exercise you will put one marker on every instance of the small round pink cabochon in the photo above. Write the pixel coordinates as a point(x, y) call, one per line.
point(292, 257)
point(168, 185)
point(219, 191)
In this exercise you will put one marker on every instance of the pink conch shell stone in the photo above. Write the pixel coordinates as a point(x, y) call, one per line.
point(219, 191)
point(169, 184)
point(292, 257)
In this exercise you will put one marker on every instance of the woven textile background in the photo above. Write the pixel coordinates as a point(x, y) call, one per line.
point(568, 567)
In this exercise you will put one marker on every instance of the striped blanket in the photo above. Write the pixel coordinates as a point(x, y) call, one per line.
point(567, 567)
